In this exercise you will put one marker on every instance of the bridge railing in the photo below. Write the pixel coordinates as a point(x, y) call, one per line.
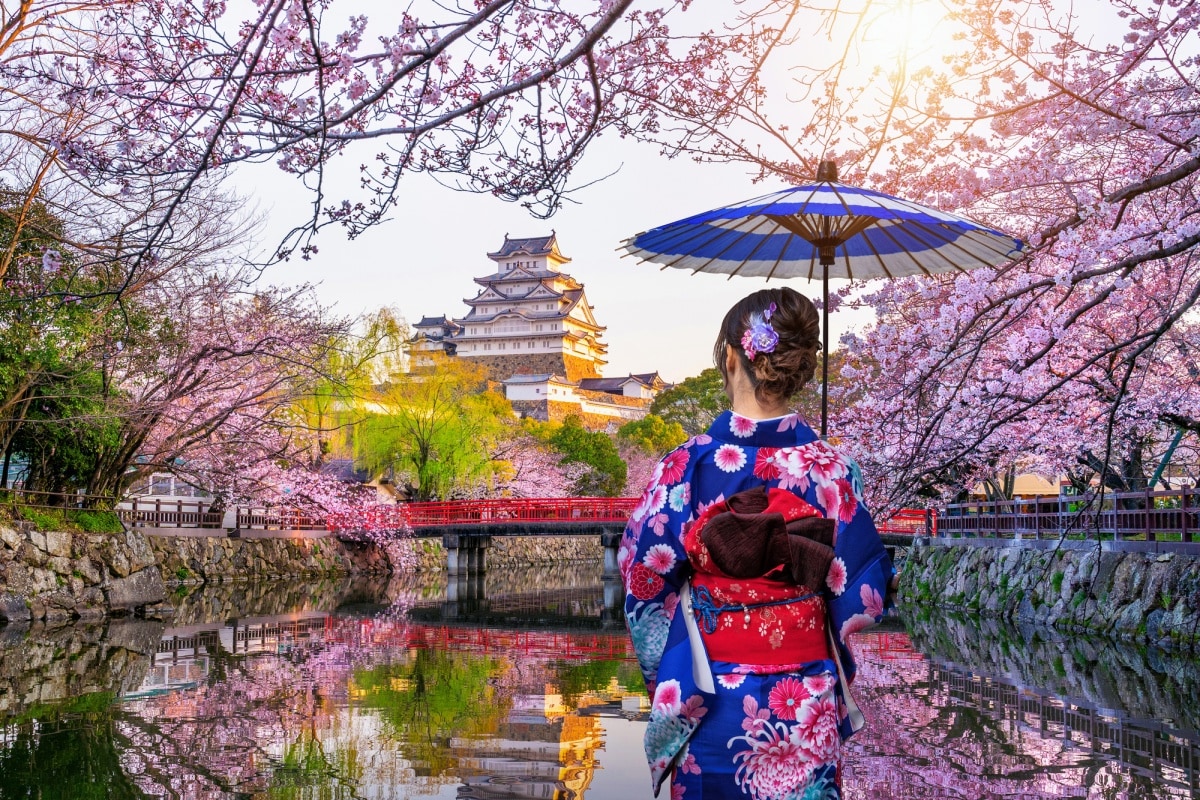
point(162, 513)
point(1118, 516)
point(279, 519)
point(483, 512)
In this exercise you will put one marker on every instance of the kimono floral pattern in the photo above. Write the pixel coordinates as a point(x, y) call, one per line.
point(767, 731)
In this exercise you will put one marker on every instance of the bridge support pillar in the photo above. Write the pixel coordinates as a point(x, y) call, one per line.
point(466, 553)
point(611, 542)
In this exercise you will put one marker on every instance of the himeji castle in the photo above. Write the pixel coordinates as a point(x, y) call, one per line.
point(531, 325)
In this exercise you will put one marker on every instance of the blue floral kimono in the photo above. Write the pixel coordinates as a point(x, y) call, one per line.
point(762, 726)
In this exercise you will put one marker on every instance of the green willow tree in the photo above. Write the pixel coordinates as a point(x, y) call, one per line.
point(693, 403)
point(434, 430)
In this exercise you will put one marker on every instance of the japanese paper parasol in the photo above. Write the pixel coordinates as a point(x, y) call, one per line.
point(824, 230)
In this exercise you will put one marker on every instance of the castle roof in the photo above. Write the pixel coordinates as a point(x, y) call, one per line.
point(533, 246)
point(548, 294)
point(523, 274)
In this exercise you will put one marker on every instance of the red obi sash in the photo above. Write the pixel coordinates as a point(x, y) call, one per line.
point(764, 621)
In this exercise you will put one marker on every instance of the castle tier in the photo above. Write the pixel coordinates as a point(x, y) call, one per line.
point(531, 317)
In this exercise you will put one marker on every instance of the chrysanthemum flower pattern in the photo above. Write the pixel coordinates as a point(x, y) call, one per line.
point(781, 723)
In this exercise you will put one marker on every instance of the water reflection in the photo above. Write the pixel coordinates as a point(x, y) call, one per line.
point(974, 709)
point(516, 685)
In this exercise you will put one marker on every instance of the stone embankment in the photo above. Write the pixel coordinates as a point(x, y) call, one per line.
point(1144, 597)
point(61, 576)
point(214, 559)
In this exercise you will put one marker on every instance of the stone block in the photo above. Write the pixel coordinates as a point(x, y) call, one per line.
point(58, 544)
point(11, 537)
point(139, 552)
point(139, 589)
point(137, 635)
point(13, 608)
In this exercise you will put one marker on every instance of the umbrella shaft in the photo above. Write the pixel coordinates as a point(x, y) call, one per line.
point(825, 357)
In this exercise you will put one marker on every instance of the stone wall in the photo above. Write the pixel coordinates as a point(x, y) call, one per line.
point(503, 367)
point(60, 576)
point(42, 665)
point(554, 411)
point(1143, 597)
point(212, 559)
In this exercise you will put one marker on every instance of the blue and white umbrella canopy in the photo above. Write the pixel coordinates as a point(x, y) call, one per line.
point(804, 231)
point(825, 230)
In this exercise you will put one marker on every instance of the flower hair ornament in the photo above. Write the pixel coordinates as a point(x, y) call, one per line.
point(760, 337)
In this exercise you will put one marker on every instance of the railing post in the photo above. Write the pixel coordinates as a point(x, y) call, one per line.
point(1149, 508)
point(1185, 533)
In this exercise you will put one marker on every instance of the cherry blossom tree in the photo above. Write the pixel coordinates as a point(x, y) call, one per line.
point(501, 96)
point(1077, 134)
point(208, 388)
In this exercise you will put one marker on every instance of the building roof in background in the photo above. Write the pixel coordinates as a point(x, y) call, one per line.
point(342, 469)
point(544, 377)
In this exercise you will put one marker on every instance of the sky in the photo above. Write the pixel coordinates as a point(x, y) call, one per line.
point(423, 259)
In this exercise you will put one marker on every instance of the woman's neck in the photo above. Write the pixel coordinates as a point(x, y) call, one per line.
point(746, 404)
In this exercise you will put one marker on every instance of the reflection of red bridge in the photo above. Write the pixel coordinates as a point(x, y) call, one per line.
point(577, 646)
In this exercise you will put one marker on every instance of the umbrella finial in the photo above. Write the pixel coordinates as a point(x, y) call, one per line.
point(827, 171)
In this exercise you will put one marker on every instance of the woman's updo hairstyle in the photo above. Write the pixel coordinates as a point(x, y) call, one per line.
point(784, 371)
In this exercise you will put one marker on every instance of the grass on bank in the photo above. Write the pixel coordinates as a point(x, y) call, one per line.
point(68, 520)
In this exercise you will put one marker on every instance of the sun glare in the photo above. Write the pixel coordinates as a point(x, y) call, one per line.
point(907, 33)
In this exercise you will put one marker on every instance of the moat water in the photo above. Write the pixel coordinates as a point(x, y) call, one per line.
point(523, 685)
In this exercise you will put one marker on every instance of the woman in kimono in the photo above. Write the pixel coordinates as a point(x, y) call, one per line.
point(747, 563)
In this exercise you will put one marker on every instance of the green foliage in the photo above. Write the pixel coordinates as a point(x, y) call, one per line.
point(606, 472)
point(652, 435)
point(67, 751)
point(1056, 581)
point(434, 698)
point(594, 676)
point(694, 403)
point(70, 520)
point(435, 430)
point(183, 573)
